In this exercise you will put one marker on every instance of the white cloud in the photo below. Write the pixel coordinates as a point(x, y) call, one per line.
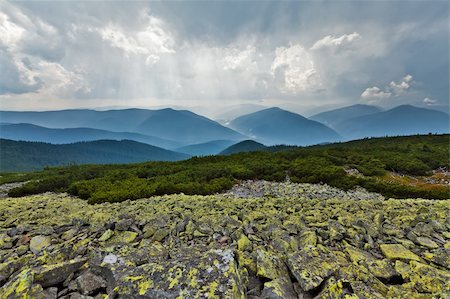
point(151, 41)
point(293, 70)
point(10, 33)
point(402, 86)
point(429, 101)
point(331, 41)
point(393, 89)
point(235, 58)
point(375, 93)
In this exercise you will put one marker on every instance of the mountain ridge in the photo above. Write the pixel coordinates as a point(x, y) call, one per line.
point(334, 116)
point(277, 126)
point(400, 120)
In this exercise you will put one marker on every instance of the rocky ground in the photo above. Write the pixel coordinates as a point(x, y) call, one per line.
point(260, 240)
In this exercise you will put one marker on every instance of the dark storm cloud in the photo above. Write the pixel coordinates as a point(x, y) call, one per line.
point(188, 53)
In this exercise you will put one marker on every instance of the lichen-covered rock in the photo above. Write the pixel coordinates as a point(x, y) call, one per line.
point(269, 265)
point(427, 242)
point(337, 244)
point(363, 283)
point(160, 234)
point(122, 237)
point(379, 268)
point(214, 274)
point(106, 235)
point(244, 244)
point(280, 288)
point(21, 286)
point(88, 283)
point(310, 266)
point(428, 279)
point(5, 241)
point(50, 275)
point(307, 238)
point(398, 252)
point(38, 243)
point(337, 290)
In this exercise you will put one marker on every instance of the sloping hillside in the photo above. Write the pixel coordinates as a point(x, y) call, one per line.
point(243, 146)
point(205, 149)
point(335, 116)
point(26, 156)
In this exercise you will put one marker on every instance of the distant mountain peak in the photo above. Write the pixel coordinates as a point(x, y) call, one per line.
point(277, 126)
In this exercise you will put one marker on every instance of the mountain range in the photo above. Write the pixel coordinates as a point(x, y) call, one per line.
point(181, 126)
point(29, 132)
point(401, 120)
point(188, 134)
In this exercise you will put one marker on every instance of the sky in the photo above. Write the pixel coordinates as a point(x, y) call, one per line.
point(302, 55)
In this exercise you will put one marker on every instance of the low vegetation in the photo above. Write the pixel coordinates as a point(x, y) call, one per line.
point(344, 165)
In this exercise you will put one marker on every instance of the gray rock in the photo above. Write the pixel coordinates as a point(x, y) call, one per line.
point(124, 224)
point(52, 275)
point(51, 293)
point(89, 283)
point(38, 243)
point(110, 259)
point(78, 296)
point(280, 288)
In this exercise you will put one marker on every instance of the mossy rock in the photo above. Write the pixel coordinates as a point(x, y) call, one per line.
point(398, 252)
point(270, 265)
point(312, 265)
point(214, 274)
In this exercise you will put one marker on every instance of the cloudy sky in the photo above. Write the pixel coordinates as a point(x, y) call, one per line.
point(212, 54)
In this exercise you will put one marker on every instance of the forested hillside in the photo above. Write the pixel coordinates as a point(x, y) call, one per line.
point(26, 156)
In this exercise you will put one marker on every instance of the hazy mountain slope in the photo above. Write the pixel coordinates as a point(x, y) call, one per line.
point(181, 125)
point(401, 120)
point(185, 126)
point(332, 117)
point(277, 126)
point(29, 132)
point(25, 156)
point(243, 146)
point(232, 112)
point(125, 120)
point(205, 149)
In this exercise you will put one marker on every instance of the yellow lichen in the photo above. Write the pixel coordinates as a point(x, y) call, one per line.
point(174, 281)
point(144, 285)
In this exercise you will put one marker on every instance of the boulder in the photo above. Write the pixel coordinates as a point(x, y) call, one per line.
point(38, 243)
point(88, 283)
point(310, 266)
point(280, 288)
point(244, 244)
point(52, 275)
point(212, 274)
point(380, 268)
point(398, 252)
point(269, 265)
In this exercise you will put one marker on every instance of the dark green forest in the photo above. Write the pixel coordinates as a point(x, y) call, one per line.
point(373, 159)
point(29, 156)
